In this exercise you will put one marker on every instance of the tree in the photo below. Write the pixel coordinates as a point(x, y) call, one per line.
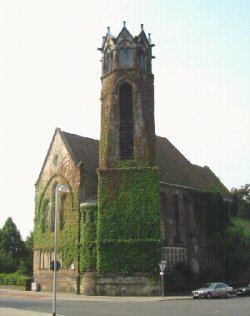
point(241, 198)
point(26, 262)
point(12, 247)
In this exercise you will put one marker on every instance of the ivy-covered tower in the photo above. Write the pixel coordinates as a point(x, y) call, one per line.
point(128, 230)
point(127, 128)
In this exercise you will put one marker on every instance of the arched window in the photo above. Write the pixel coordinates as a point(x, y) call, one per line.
point(164, 215)
point(126, 122)
point(62, 210)
point(107, 62)
point(176, 214)
point(126, 57)
point(44, 215)
point(143, 60)
point(51, 217)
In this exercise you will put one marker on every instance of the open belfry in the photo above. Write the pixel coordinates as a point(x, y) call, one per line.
point(134, 199)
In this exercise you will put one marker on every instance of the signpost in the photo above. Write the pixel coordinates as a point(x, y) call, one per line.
point(55, 266)
point(162, 266)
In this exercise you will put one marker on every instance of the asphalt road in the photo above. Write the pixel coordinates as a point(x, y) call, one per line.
point(216, 307)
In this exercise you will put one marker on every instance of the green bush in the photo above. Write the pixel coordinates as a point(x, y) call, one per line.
point(15, 279)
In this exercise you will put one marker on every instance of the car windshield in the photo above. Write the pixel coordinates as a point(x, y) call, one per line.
point(208, 285)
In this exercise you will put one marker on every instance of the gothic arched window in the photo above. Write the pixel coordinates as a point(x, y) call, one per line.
point(51, 217)
point(143, 60)
point(164, 215)
point(176, 214)
point(126, 122)
point(108, 62)
point(62, 211)
point(125, 57)
point(44, 215)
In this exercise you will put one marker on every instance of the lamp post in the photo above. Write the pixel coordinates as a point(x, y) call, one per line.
point(162, 266)
point(62, 188)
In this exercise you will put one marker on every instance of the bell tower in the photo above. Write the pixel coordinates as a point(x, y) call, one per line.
point(127, 99)
point(128, 228)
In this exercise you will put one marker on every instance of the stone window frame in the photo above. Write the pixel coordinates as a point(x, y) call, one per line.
point(46, 257)
point(125, 56)
point(174, 256)
point(143, 59)
point(107, 61)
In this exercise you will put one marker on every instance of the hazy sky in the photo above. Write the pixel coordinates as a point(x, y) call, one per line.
point(50, 77)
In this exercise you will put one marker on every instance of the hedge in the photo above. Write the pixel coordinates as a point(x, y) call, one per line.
point(15, 279)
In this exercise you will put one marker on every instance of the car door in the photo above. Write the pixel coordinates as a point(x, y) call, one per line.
point(217, 290)
point(224, 289)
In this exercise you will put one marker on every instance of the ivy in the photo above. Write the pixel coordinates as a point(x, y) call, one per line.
point(128, 234)
point(67, 237)
point(88, 252)
point(213, 211)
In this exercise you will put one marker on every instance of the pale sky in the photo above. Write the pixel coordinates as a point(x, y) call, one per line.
point(50, 77)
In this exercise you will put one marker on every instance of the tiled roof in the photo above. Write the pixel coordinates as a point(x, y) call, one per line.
point(85, 150)
point(174, 167)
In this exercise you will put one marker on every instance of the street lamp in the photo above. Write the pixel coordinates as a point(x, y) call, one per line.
point(162, 266)
point(62, 188)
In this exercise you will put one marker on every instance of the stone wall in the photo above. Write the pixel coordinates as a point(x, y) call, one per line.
point(112, 284)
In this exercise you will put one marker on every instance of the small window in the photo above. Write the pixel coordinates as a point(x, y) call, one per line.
point(107, 62)
point(173, 256)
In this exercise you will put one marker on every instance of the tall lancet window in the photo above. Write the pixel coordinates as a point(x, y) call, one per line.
point(126, 122)
point(176, 217)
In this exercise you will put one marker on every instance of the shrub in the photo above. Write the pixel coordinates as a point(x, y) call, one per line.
point(15, 279)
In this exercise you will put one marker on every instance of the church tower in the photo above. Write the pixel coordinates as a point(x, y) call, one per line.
point(128, 229)
point(127, 128)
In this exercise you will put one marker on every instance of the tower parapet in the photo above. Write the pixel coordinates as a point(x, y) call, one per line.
point(126, 51)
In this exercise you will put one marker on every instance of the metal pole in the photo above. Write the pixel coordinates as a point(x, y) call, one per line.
point(65, 188)
point(162, 284)
point(55, 250)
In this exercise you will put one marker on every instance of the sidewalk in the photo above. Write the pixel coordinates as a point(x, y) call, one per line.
point(72, 297)
point(19, 312)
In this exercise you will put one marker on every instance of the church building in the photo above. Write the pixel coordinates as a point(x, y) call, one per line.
point(134, 200)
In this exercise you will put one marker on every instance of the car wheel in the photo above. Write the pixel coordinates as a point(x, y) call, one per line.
point(209, 295)
point(228, 294)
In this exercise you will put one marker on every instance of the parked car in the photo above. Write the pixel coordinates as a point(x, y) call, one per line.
point(245, 290)
point(214, 289)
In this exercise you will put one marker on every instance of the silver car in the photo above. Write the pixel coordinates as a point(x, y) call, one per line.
point(215, 289)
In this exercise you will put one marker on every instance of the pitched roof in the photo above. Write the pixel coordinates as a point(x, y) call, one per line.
point(84, 150)
point(174, 168)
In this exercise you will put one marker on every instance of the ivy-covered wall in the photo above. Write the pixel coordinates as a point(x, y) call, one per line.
point(59, 167)
point(88, 223)
point(128, 233)
point(67, 235)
